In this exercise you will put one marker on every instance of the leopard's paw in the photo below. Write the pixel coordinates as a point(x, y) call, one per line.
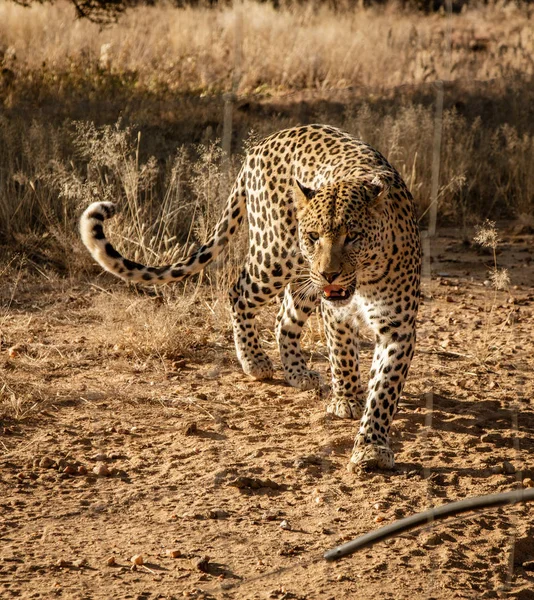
point(305, 380)
point(371, 456)
point(259, 368)
point(345, 408)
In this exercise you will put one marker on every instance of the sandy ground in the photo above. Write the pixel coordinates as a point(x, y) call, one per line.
point(107, 453)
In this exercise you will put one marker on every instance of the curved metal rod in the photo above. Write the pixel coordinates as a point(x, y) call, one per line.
point(433, 514)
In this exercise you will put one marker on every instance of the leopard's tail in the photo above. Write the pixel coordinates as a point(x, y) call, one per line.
point(95, 240)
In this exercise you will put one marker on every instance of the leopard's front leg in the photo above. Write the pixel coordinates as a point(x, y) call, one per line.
point(341, 329)
point(393, 355)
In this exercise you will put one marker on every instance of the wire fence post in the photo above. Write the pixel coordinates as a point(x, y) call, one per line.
point(230, 97)
point(436, 160)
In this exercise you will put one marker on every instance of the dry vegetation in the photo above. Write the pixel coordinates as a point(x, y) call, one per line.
point(163, 72)
point(146, 381)
point(307, 47)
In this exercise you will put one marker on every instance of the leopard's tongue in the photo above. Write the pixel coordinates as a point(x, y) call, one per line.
point(334, 291)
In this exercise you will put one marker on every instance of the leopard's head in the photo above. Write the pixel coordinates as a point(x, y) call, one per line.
point(341, 233)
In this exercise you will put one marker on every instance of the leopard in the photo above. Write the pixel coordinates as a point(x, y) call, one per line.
point(332, 228)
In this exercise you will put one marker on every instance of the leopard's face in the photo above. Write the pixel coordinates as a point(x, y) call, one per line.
point(340, 234)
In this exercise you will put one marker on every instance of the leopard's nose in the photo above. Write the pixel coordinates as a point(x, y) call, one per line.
point(330, 276)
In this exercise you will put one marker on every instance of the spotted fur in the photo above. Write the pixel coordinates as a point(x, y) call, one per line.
point(330, 222)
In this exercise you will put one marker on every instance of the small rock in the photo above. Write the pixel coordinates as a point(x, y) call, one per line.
point(137, 559)
point(433, 540)
point(61, 464)
point(497, 470)
point(101, 470)
point(285, 525)
point(508, 467)
point(111, 562)
point(82, 470)
point(241, 482)
point(190, 428)
point(255, 483)
point(70, 470)
point(62, 563)
point(528, 482)
point(100, 457)
point(15, 350)
point(78, 563)
point(46, 462)
point(202, 564)
point(326, 531)
point(269, 483)
point(379, 519)
point(218, 514)
point(173, 553)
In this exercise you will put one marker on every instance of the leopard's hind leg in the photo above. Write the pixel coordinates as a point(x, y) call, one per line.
point(247, 296)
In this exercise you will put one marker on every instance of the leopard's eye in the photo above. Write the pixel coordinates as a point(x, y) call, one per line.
point(313, 236)
point(351, 237)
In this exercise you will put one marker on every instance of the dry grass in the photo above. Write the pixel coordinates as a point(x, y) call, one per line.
point(287, 49)
point(56, 68)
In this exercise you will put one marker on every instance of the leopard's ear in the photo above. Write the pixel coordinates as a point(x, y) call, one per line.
point(302, 195)
point(378, 192)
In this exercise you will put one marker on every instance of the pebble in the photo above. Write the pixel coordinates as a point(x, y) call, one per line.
point(528, 482)
point(46, 462)
point(190, 428)
point(218, 514)
point(111, 562)
point(202, 564)
point(78, 563)
point(101, 470)
point(15, 350)
point(137, 559)
point(285, 525)
point(61, 563)
point(379, 519)
point(508, 467)
point(100, 457)
point(173, 553)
